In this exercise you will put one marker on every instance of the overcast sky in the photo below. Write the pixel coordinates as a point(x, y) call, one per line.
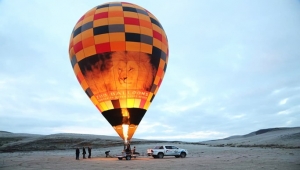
point(234, 68)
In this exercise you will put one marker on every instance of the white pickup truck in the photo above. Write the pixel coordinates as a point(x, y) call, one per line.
point(167, 150)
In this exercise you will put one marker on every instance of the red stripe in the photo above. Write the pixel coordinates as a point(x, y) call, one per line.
point(131, 21)
point(77, 47)
point(104, 47)
point(101, 15)
point(157, 35)
point(142, 104)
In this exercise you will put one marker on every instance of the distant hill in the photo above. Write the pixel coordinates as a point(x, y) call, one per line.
point(272, 137)
point(11, 142)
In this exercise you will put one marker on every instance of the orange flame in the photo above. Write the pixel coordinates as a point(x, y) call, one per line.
point(125, 124)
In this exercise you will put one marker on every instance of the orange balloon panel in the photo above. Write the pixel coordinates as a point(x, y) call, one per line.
point(119, 54)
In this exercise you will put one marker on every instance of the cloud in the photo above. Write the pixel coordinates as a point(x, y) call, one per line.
point(192, 136)
point(283, 101)
point(237, 116)
point(231, 70)
point(180, 106)
point(290, 110)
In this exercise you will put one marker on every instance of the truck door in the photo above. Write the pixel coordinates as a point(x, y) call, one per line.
point(169, 150)
point(175, 150)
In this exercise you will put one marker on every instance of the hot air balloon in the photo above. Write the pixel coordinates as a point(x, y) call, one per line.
point(119, 54)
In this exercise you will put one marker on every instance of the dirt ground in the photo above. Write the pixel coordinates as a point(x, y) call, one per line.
point(200, 157)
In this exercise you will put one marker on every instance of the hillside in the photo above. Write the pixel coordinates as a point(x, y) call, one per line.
point(11, 142)
point(272, 137)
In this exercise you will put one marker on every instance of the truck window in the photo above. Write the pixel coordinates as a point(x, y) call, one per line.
point(168, 147)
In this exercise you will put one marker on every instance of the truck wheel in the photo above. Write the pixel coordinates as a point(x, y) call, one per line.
point(182, 154)
point(128, 157)
point(120, 158)
point(160, 155)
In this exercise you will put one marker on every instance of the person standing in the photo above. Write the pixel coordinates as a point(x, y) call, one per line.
point(83, 152)
point(90, 152)
point(77, 153)
point(128, 149)
point(134, 151)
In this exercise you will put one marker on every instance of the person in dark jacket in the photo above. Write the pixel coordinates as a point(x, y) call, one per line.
point(83, 152)
point(77, 153)
point(90, 152)
point(128, 149)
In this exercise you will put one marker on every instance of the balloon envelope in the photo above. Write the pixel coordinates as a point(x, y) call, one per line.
point(119, 54)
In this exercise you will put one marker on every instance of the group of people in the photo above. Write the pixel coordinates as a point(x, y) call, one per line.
point(83, 153)
point(127, 149)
